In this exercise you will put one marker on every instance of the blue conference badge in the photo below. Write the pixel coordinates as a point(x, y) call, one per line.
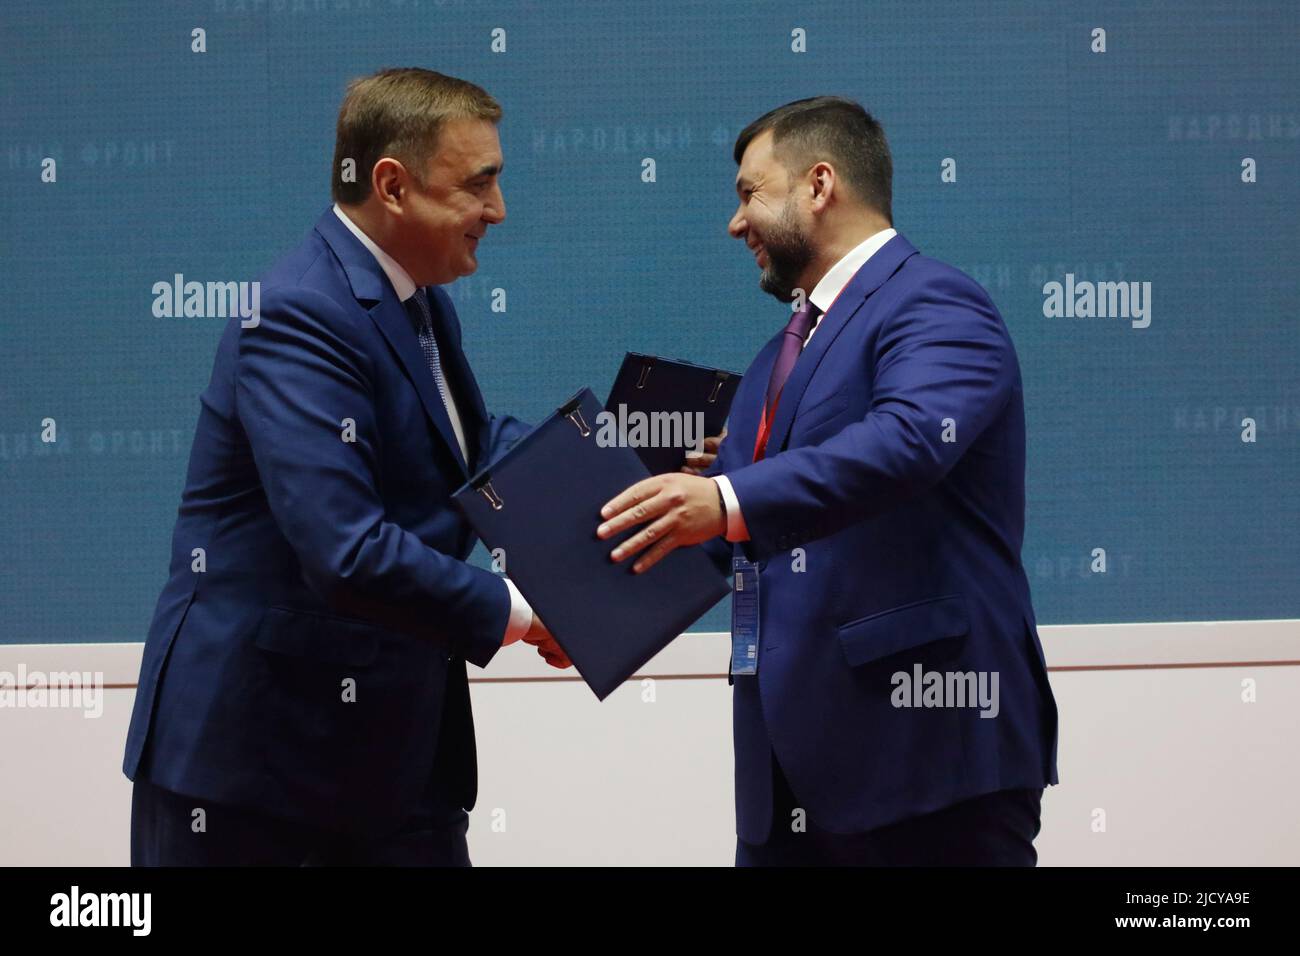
point(744, 618)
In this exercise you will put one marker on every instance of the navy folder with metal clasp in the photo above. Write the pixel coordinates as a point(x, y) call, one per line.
point(540, 504)
point(648, 384)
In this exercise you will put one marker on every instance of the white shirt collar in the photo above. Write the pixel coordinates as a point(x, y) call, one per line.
point(838, 276)
point(403, 285)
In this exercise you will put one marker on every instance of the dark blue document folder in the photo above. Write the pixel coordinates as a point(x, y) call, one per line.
point(648, 385)
point(540, 504)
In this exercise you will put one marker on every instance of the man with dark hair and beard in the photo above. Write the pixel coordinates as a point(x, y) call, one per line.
point(895, 708)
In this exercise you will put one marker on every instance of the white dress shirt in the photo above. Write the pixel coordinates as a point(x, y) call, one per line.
point(521, 613)
point(827, 290)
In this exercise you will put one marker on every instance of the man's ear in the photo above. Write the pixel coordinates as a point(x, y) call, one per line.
point(822, 183)
point(389, 182)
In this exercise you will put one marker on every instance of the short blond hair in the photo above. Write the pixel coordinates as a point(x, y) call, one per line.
point(399, 113)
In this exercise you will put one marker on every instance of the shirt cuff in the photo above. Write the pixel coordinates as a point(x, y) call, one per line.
point(736, 529)
point(521, 615)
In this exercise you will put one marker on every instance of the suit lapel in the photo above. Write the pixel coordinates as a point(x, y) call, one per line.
point(867, 280)
point(375, 293)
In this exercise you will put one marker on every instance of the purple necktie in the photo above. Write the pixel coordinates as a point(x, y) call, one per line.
point(791, 345)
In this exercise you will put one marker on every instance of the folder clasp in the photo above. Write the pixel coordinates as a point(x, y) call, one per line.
point(575, 416)
point(648, 364)
point(719, 380)
point(490, 493)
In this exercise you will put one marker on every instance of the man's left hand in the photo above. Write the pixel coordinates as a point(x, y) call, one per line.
point(685, 510)
point(698, 462)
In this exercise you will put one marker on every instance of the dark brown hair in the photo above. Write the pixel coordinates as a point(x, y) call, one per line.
point(834, 130)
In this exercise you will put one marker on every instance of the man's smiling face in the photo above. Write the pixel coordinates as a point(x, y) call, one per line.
point(769, 220)
point(460, 198)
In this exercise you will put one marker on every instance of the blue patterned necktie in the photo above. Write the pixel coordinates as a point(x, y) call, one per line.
point(418, 308)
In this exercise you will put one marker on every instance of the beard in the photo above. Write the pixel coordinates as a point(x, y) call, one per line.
point(788, 254)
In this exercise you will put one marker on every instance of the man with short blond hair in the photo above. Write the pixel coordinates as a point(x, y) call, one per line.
point(306, 686)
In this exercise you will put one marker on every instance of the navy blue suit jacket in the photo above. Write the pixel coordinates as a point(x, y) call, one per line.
point(319, 490)
point(896, 464)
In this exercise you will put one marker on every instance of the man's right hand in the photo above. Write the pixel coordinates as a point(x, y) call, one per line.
point(546, 644)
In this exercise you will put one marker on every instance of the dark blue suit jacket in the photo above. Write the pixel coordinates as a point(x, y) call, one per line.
point(328, 560)
point(910, 554)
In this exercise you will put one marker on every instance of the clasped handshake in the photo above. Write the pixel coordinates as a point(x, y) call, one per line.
point(679, 509)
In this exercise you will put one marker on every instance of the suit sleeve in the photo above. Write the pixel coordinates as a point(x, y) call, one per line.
point(719, 550)
point(944, 369)
point(300, 375)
